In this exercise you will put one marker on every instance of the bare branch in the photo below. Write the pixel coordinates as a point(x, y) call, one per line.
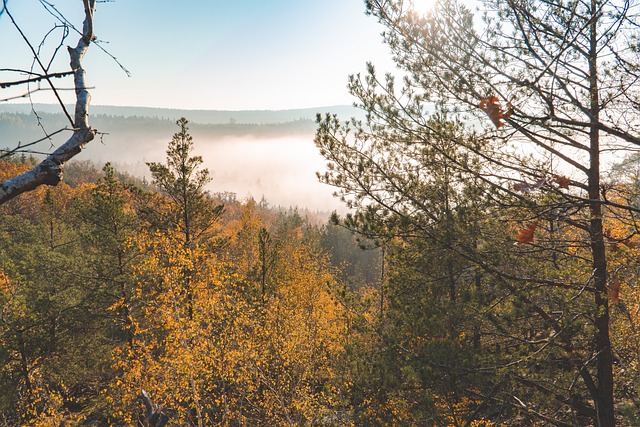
point(37, 59)
point(154, 415)
point(21, 147)
point(50, 170)
point(4, 85)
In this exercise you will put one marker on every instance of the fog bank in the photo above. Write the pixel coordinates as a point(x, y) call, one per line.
point(282, 170)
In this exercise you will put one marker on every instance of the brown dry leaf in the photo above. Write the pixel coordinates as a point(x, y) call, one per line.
point(491, 106)
point(562, 181)
point(525, 235)
point(614, 290)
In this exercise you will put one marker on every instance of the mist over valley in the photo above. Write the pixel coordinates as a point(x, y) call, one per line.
point(262, 154)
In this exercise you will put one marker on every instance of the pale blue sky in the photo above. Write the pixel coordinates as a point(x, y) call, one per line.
point(215, 54)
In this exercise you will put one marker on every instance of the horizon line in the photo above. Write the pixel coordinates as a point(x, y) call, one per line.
point(183, 109)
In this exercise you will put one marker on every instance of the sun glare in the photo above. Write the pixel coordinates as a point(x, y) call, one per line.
point(422, 7)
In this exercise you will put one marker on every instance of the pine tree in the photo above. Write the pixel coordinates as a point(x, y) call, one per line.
point(192, 213)
point(539, 93)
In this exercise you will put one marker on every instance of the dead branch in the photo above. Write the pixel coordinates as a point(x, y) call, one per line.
point(50, 170)
point(154, 415)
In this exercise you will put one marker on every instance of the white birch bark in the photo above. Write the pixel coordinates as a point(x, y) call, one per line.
point(50, 170)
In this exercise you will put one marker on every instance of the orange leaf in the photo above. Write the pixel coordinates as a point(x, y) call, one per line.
point(614, 290)
point(525, 235)
point(562, 181)
point(491, 106)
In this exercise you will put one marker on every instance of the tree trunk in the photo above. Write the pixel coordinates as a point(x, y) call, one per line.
point(49, 171)
point(604, 398)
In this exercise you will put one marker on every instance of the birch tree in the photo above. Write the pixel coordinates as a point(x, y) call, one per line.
point(50, 170)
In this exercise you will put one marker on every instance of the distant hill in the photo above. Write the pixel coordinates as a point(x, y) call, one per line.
point(268, 153)
point(132, 133)
point(24, 127)
point(196, 116)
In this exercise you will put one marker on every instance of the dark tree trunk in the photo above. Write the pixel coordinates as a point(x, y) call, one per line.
point(604, 367)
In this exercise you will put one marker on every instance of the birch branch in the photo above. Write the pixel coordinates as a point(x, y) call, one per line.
point(50, 170)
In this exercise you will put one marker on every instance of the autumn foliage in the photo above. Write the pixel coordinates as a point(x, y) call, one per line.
point(491, 106)
point(526, 234)
point(239, 326)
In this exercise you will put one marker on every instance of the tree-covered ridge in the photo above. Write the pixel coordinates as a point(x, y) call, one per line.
point(129, 139)
point(211, 117)
point(24, 127)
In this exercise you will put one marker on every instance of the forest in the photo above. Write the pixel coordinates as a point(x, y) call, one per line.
point(130, 137)
point(484, 272)
point(227, 312)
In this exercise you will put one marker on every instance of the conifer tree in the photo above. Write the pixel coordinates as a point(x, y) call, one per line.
point(109, 222)
point(183, 180)
point(540, 90)
point(191, 213)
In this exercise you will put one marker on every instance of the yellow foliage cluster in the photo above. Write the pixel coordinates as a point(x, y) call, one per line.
point(247, 328)
point(220, 340)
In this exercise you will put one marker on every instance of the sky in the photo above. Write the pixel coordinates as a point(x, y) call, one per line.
point(210, 54)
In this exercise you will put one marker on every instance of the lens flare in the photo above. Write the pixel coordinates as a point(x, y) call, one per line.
point(422, 7)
